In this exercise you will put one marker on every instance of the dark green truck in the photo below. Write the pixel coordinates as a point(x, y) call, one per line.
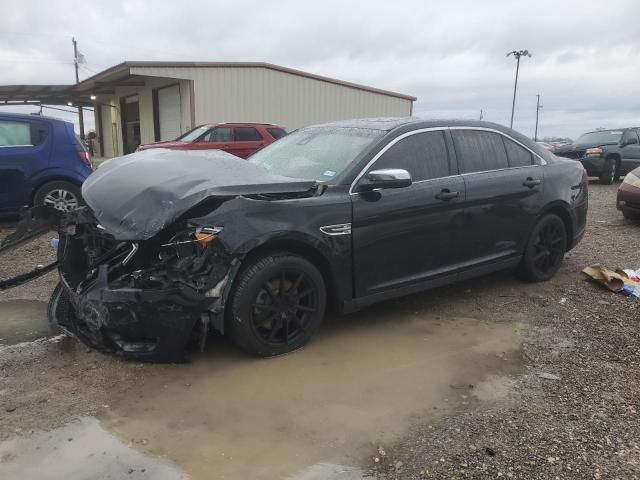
point(606, 153)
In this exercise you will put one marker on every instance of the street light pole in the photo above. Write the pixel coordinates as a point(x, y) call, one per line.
point(517, 54)
point(75, 63)
point(538, 107)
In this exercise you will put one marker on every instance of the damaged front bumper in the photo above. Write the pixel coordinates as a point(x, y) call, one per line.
point(144, 301)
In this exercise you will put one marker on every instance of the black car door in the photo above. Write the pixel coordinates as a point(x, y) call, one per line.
point(504, 194)
point(406, 235)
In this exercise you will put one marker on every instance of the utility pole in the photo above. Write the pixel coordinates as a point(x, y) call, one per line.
point(481, 114)
point(517, 54)
point(75, 63)
point(538, 107)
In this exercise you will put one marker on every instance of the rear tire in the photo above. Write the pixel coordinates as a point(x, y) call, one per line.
point(545, 249)
point(609, 174)
point(277, 305)
point(61, 195)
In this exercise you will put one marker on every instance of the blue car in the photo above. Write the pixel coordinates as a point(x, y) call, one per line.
point(42, 162)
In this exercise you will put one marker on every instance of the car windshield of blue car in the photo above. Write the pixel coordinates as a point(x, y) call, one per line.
point(316, 153)
point(192, 135)
point(605, 136)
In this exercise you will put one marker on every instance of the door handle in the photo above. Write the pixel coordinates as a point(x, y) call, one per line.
point(447, 194)
point(530, 182)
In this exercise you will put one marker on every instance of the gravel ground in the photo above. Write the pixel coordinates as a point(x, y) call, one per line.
point(574, 414)
point(580, 421)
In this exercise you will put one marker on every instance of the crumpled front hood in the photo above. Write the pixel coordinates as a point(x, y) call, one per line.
point(136, 196)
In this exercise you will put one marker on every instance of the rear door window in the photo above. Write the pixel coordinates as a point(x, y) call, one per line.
point(518, 156)
point(423, 155)
point(479, 151)
point(246, 134)
point(15, 133)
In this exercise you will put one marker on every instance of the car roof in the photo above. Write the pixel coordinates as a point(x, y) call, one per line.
point(610, 130)
point(27, 116)
point(391, 123)
point(231, 124)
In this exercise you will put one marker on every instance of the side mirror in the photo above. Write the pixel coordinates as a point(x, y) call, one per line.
point(385, 178)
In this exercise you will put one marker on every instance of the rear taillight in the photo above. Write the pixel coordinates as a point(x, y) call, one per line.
point(585, 177)
point(85, 157)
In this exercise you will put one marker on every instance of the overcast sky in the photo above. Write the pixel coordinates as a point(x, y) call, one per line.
point(450, 54)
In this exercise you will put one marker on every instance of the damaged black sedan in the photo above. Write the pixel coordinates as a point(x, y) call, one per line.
point(172, 245)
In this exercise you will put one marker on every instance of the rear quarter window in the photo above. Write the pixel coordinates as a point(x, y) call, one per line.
point(276, 132)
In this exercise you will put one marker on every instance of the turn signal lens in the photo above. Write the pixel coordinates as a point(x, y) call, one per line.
point(205, 238)
point(205, 235)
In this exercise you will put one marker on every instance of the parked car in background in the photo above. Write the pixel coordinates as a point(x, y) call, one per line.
point(628, 199)
point(547, 146)
point(348, 213)
point(42, 162)
point(239, 139)
point(606, 154)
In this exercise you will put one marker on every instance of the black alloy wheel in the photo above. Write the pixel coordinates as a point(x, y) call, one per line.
point(284, 307)
point(545, 250)
point(277, 305)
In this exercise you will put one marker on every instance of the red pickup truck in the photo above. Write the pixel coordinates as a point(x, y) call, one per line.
point(239, 139)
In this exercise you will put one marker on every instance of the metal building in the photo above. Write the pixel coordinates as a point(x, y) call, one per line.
point(142, 102)
point(151, 101)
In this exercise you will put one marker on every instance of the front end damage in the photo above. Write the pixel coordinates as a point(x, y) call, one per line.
point(142, 299)
point(137, 277)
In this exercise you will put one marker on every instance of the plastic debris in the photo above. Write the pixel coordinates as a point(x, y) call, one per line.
point(548, 376)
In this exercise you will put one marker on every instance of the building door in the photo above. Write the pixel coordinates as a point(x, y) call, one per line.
point(169, 112)
point(130, 118)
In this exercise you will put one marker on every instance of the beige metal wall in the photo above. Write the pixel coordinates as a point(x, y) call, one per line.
point(228, 94)
point(111, 127)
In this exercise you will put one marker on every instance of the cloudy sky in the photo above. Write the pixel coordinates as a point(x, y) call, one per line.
point(451, 55)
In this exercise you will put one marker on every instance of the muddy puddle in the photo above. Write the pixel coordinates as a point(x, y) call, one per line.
point(316, 413)
point(80, 451)
point(23, 321)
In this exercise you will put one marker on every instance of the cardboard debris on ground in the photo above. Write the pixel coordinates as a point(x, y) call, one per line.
point(618, 281)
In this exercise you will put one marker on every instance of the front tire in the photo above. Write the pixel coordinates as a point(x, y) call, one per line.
point(545, 249)
point(609, 175)
point(61, 195)
point(277, 305)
